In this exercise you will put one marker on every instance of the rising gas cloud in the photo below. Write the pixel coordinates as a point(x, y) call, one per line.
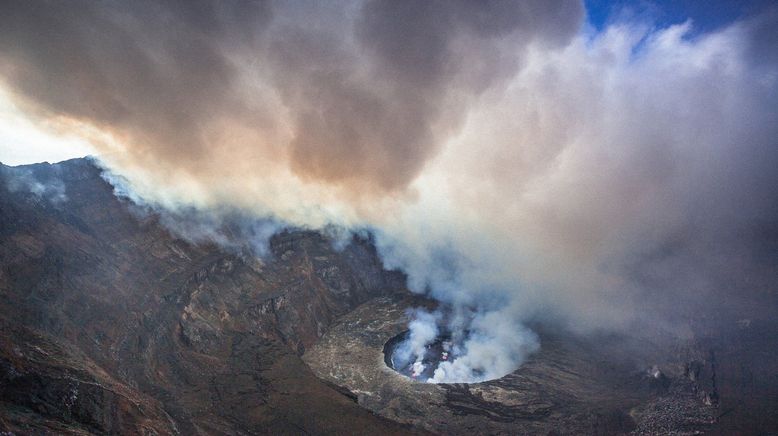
point(515, 162)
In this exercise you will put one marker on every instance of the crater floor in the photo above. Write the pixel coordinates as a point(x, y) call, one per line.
point(572, 385)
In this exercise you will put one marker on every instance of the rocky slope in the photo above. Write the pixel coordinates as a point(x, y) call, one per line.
point(113, 324)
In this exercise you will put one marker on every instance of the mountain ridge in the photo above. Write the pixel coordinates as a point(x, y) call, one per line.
point(158, 335)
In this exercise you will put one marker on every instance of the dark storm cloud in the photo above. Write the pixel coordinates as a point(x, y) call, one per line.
point(365, 91)
point(373, 107)
point(152, 70)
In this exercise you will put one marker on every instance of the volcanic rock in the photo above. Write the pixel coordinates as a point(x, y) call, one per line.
point(112, 323)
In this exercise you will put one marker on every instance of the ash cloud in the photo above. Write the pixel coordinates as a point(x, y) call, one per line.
point(623, 179)
point(517, 164)
point(623, 182)
point(353, 94)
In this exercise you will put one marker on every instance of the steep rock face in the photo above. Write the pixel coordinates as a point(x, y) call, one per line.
point(158, 335)
point(48, 385)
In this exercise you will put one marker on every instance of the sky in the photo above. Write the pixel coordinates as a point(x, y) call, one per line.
point(24, 140)
point(602, 166)
point(706, 15)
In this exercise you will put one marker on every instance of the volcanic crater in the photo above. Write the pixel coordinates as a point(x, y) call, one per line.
point(111, 324)
point(573, 384)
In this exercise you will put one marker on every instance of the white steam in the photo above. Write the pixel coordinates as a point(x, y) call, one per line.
point(495, 346)
point(611, 184)
point(423, 329)
point(483, 346)
point(234, 229)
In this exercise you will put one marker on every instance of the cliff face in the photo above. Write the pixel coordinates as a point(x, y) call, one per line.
point(113, 324)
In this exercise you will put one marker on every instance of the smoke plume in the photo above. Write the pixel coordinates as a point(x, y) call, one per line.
point(515, 162)
point(24, 181)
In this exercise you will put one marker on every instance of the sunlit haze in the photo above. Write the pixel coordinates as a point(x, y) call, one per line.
point(25, 141)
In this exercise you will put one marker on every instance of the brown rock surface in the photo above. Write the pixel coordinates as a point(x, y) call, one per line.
point(111, 324)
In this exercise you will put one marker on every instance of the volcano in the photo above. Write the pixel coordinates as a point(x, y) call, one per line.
point(113, 324)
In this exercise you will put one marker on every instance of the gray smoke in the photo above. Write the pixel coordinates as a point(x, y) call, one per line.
point(624, 182)
point(236, 230)
point(24, 181)
point(353, 94)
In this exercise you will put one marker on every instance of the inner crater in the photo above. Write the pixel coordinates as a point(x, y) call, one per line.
point(415, 364)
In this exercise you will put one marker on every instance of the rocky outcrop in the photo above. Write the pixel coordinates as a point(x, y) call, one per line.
point(115, 325)
point(48, 386)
